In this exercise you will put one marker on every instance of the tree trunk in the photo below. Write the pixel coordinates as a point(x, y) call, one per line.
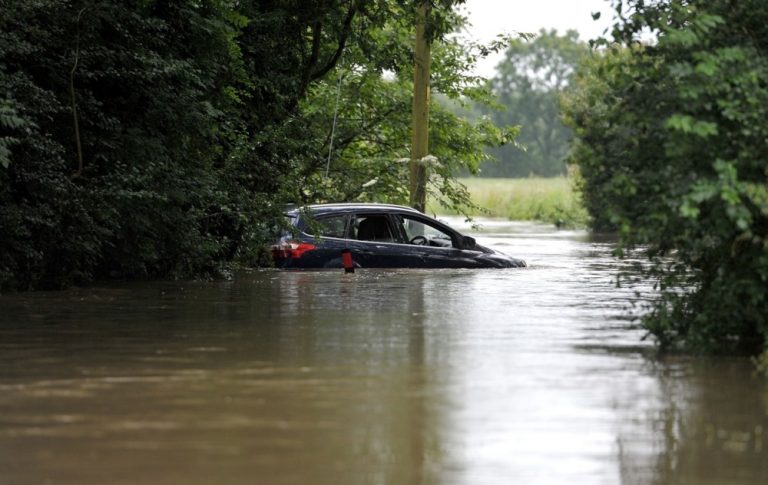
point(420, 112)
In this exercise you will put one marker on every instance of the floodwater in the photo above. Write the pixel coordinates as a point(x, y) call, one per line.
point(530, 376)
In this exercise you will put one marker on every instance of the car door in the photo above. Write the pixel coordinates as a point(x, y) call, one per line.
point(375, 241)
point(434, 245)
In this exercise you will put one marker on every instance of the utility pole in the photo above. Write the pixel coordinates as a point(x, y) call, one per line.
point(420, 111)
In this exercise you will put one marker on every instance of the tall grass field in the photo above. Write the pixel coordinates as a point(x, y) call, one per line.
point(551, 200)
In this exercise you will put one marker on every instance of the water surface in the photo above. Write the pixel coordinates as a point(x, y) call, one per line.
point(536, 375)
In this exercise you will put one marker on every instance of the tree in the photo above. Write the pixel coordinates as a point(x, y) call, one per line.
point(671, 144)
point(134, 135)
point(529, 81)
point(161, 138)
point(364, 155)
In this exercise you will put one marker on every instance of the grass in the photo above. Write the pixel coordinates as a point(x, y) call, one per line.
point(551, 200)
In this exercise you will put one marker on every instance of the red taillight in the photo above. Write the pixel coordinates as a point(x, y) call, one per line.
point(293, 250)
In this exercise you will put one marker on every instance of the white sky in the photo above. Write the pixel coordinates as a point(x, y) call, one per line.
point(492, 17)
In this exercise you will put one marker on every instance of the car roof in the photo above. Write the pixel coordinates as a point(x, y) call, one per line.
point(356, 206)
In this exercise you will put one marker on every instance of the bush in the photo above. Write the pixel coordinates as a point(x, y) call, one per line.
point(671, 144)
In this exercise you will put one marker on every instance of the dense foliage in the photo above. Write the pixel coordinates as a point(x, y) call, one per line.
point(162, 138)
point(528, 84)
point(109, 168)
point(359, 120)
point(672, 145)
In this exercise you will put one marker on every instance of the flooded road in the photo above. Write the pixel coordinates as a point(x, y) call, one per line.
point(531, 376)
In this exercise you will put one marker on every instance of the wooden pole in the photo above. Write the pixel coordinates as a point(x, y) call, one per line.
point(420, 111)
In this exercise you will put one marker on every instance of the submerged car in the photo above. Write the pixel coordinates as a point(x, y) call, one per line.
point(378, 236)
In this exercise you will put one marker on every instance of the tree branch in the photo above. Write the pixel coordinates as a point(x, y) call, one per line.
point(346, 30)
point(311, 71)
point(72, 97)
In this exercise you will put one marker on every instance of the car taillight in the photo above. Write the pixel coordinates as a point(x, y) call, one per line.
point(293, 250)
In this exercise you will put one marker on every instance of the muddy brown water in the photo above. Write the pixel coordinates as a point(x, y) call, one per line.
point(530, 376)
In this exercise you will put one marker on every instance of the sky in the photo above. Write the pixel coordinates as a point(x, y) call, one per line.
point(492, 17)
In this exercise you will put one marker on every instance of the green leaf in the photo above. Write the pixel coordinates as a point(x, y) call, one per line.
point(687, 124)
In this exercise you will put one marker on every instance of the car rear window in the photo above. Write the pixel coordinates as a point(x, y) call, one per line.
point(329, 226)
point(284, 230)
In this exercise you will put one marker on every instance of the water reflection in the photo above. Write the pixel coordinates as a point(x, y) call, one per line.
point(527, 376)
point(703, 423)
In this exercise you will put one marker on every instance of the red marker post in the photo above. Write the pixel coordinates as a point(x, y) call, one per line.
point(346, 261)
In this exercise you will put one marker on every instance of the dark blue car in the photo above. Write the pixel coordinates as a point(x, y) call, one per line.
point(378, 236)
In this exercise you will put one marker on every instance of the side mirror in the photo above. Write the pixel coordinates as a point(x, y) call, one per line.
point(468, 242)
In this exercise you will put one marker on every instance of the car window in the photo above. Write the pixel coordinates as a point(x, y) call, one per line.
point(374, 227)
point(425, 234)
point(329, 226)
point(284, 229)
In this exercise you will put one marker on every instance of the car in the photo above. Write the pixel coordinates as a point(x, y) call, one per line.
point(378, 236)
